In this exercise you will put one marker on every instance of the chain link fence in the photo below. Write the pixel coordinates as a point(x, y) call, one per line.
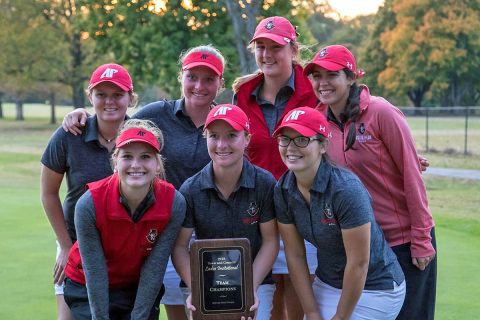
point(451, 130)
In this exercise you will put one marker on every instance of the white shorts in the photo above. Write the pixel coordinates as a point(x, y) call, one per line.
point(372, 305)
point(58, 288)
point(280, 265)
point(171, 281)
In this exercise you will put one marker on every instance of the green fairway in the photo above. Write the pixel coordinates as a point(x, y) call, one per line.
point(27, 244)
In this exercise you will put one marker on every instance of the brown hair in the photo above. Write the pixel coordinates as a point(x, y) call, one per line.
point(352, 109)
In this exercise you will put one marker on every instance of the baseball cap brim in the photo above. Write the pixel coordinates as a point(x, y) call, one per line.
point(304, 131)
point(204, 64)
point(329, 65)
point(274, 37)
point(128, 141)
point(120, 85)
point(233, 124)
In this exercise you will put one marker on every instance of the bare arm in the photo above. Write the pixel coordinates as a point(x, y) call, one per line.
point(50, 183)
point(297, 266)
point(181, 255)
point(357, 249)
point(268, 252)
point(75, 120)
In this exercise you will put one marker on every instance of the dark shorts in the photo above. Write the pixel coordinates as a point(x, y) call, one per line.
point(421, 285)
point(121, 302)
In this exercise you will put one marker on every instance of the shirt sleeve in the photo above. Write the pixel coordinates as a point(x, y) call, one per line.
point(281, 205)
point(268, 206)
point(153, 270)
point(399, 141)
point(55, 155)
point(93, 258)
point(352, 205)
point(189, 221)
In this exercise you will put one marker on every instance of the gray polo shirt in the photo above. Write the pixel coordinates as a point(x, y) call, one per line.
point(185, 149)
point(338, 201)
point(82, 159)
point(272, 112)
point(239, 216)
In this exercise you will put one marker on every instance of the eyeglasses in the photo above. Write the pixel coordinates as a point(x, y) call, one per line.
point(300, 141)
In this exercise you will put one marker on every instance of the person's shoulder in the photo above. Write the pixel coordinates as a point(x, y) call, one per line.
point(343, 176)
point(156, 108)
point(382, 107)
point(191, 183)
point(264, 175)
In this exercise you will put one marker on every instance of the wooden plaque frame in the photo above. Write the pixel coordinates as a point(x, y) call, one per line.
point(222, 284)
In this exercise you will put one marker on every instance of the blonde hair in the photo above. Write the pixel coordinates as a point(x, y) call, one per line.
point(149, 126)
point(203, 48)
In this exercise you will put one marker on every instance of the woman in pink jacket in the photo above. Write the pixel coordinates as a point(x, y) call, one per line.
point(371, 137)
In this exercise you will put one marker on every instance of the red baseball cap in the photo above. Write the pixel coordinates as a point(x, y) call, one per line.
point(111, 72)
point(137, 135)
point(332, 58)
point(278, 29)
point(306, 121)
point(231, 114)
point(203, 58)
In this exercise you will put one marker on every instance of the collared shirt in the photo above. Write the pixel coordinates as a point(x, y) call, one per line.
point(239, 216)
point(338, 201)
point(185, 150)
point(272, 112)
point(142, 207)
point(82, 159)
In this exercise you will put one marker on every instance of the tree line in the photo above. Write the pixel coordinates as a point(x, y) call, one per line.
point(420, 53)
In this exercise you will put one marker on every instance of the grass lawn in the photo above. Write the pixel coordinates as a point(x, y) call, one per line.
point(27, 243)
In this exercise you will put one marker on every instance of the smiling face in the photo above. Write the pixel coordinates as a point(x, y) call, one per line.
point(200, 86)
point(226, 146)
point(301, 160)
point(331, 87)
point(109, 101)
point(273, 59)
point(137, 165)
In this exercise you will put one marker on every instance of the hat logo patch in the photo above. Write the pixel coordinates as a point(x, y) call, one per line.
point(269, 25)
point(294, 115)
point(322, 128)
point(222, 111)
point(323, 53)
point(204, 56)
point(108, 73)
point(141, 133)
point(349, 65)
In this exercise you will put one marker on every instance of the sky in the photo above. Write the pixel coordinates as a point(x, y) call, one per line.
point(350, 8)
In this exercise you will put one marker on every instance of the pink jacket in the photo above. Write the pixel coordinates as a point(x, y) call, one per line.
point(385, 159)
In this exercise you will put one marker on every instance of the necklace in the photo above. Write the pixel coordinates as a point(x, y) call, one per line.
point(107, 140)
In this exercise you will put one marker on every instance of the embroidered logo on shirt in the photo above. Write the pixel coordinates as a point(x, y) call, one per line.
point(152, 235)
point(252, 210)
point(361, 129)
point(330, 220)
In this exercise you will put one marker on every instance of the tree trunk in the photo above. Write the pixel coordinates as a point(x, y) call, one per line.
point(1, 105)
point(19, 109)
point(247, 60)
point(53, 119)
point(77, 78)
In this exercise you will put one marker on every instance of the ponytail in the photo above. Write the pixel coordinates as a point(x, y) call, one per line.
point(352, 110)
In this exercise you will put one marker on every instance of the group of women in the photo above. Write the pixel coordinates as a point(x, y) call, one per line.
point(350, 205)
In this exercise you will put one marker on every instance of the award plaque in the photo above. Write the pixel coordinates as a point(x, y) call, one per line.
point(222, 285)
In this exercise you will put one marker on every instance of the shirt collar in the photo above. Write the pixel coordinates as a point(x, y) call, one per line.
point(246, 180)
point(320, 182)
point(290, 84)
point(91, 129)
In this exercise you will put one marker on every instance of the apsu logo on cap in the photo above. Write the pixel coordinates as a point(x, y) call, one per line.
point(141, 133)
point(323, 53)
point(204, 56)
point(108, 73)
point(294, 115)
point(269, 25)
